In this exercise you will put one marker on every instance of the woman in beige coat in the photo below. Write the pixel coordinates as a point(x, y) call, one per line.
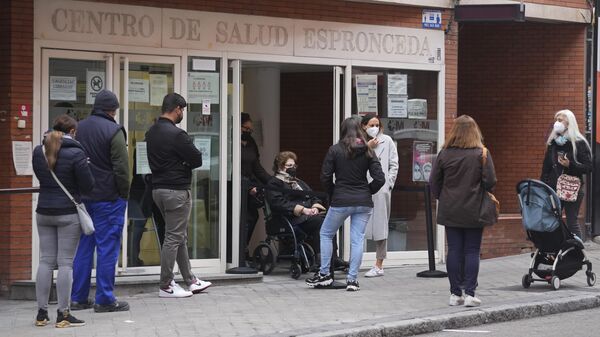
point(377, 229)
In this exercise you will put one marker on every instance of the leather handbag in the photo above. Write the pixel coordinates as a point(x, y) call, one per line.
point(567, 187)
point(85, 220)
point(490, 206)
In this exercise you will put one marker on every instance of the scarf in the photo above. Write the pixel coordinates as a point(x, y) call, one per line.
point(288, 179)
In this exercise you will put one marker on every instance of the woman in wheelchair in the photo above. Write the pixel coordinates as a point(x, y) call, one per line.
point(305, 211)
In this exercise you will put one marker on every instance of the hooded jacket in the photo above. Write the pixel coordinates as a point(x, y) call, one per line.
point(351, 187)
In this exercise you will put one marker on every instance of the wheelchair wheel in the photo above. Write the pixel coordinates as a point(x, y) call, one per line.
point(264, 258)
point(307, 259)
point(295, 270)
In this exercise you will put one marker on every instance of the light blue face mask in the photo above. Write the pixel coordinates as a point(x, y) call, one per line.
point(561, 140)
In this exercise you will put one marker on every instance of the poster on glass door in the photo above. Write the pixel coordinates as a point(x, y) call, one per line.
point(422, 162)
point(139, 90)
point(94, 84)
point(203, 87)
point(366, 94)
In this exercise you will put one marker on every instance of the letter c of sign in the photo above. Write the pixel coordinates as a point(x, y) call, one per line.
point(55, 19)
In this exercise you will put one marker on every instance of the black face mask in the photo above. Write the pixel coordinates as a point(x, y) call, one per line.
point(246, 135)
point(291, 171)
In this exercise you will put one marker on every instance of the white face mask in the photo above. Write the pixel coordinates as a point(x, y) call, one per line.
point(559, 127)
point(373, 131)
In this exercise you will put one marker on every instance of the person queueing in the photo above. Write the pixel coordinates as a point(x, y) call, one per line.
point(105, 143)
point(378, 226)
point(351, 196)
point(56, 216)
point(459, 180)
point(568, 152)
point(172, 157)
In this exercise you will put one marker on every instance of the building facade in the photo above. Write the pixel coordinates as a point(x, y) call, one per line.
point(298, 68)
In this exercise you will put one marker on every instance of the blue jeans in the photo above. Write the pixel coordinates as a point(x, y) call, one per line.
point(464, 245)
point(359, 217)
point(108, 217)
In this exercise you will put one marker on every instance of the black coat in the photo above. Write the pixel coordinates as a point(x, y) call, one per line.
point(290, 204)
point(172, 156)
point(73, 171)
point(552, 169)
point(351, 187)
point(459, 180)
point(251, 168)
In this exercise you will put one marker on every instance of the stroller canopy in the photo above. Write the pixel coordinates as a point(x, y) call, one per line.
point(540, 206)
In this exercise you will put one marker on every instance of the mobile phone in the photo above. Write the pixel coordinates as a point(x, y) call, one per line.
point(562, 154)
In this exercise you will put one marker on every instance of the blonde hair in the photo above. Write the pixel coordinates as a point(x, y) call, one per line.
point(572, 133)
point(464, 134)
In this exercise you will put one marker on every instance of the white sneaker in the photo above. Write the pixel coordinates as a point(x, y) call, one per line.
point(456, 300)
point(472, 301)
point(596, 239)
point(374, 272)
point(174, 291)
point(199, 285)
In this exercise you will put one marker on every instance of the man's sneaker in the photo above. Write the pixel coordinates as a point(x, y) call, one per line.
point(65, 320)
point(374, 272)
point(596, 239)
point(472, 301)
point(199, 285)
point(174, 291)
point(352, 285)
point(42, 318)
point(319, 280)
point(113, 307)
point(456, 300)
point(88, 304)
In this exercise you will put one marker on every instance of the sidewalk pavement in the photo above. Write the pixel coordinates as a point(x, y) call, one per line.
point(398, 304)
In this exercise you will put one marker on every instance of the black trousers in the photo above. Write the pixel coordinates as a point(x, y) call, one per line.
point(572, 211)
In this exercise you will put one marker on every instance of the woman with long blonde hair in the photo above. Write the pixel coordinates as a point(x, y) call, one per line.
point(568, 152)
point(459, 180)
point(56, 216)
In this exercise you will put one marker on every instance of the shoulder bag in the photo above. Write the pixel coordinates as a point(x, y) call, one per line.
point(567, 187)
point(85, 220)
point(490, 206)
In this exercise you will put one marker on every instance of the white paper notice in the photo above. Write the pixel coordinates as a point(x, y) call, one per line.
point(94, 84)
point(417, 108)
point(397, 106)
point(158, 89)
point(21, 152)
point(63, 88)
point(206, 106)
point(203, 86)
point(366, 93)
point(139, 90)
point(141, 159)
point(397, 84)
point(203, 145)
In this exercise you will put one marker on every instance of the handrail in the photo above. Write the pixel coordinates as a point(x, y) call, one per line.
point(20, 190)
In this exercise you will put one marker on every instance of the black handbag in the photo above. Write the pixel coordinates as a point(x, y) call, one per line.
point(490, 206)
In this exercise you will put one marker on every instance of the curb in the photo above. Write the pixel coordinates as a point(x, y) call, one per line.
point(467, 318)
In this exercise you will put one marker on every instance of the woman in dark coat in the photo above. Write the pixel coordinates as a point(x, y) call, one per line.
point(567, 152)
point(459, 180)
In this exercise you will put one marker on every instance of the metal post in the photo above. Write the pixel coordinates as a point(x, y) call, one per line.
point(595, 199)
point(430, 243)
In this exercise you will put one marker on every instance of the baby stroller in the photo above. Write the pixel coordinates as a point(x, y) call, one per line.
point(559, 254)
point(291, 246)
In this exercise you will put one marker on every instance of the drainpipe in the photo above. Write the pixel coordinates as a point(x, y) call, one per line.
point(595, 181)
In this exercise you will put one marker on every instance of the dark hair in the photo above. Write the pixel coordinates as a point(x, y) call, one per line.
point(53, 139)
point(281, 158)
point(64, 123)
point(366, 118)
point(172, 101)
point(245, 117)
point(352, 137)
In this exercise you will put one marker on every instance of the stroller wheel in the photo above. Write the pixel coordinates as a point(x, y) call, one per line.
point(295, 270)
point(591, 278)
point(555, 281)
point(526, 281)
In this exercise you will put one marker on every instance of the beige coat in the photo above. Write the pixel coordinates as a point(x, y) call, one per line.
point(377, 228)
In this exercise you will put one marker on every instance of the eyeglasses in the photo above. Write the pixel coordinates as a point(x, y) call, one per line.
point(247, 129)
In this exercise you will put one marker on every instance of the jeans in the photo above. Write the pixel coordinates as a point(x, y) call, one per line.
point(464, 245)
point(359, 217)
point(109, 218)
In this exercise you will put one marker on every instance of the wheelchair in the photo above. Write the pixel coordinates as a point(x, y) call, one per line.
point(290, 246)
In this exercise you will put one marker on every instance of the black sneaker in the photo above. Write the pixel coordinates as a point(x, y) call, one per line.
point(319, 280)
point(352, 285)
point(42, 318)
point(88, 304)
point(65, 320)
point(340, 264)
point(113, 307)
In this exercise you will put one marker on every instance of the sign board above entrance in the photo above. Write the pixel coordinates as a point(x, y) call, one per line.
point(66, 20)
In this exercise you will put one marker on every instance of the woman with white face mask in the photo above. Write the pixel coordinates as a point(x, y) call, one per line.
point(377, 228)
point(567, 152)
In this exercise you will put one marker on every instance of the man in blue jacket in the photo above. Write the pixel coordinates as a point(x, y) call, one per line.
point(172, 157)
point(105, 143)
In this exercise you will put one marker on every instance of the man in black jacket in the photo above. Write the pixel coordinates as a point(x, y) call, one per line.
point(172, 157)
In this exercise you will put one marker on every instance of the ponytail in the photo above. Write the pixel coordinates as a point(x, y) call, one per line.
point(52, 143)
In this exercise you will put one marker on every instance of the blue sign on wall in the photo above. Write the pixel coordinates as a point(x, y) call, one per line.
point(432, 19)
